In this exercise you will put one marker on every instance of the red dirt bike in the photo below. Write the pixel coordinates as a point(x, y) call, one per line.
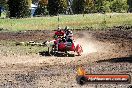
point(63, 48)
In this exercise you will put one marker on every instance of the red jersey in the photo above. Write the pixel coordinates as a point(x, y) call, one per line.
point(59, 33)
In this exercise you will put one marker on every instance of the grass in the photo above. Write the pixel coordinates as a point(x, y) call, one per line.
point(9, 47)
point(73, 21)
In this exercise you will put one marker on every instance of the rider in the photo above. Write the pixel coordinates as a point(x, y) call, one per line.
point(69, 34)
point(63, 36)
point(59, 34)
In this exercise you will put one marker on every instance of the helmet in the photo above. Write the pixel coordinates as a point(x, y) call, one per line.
point(66, 28)
point(59, 28)
point(69, 31)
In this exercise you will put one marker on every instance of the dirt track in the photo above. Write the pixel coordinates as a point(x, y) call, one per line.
point(104, 52)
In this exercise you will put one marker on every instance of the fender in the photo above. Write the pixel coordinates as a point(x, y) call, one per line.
point(79, 49)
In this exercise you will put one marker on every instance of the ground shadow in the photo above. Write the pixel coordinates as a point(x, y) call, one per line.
point(45, 53)
point(117, 60)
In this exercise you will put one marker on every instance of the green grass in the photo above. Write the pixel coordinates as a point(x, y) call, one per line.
point(73, 21)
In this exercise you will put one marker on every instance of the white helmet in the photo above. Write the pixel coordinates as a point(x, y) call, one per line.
point(70, 32)
point(59, 28)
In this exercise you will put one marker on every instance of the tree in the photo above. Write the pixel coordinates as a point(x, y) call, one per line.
point(19, 8)
point(35, 1)
point(98, 5)
point(119, 6)
point(129, 2)
point(111, 5)
point(103, 6)
point(63, 4)
point(57, 6)
point(44, 2)
point(42, 8)
point(3, 3)
point(106, 6)
point(53, 7)
point(89, 6)
point(78, 6)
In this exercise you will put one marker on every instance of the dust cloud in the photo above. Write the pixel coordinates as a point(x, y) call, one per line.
point(87, 43)
point(91, 44)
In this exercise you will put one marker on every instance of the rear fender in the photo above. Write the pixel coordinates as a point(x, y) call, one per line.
point(79, 49)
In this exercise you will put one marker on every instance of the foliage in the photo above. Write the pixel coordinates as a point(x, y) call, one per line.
point(19, 8)
point(35, 1)
point(63, 4)
point(106, 6)
point(129, 2)
point(42, 8)
point(3, 3)
point(57, 7)
point(44, 2)
point(89, 6)
point(29, 2)
point(78, 6)
point(101, 6)
point(53, 7)
point(119, 6)
point(98, 5)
